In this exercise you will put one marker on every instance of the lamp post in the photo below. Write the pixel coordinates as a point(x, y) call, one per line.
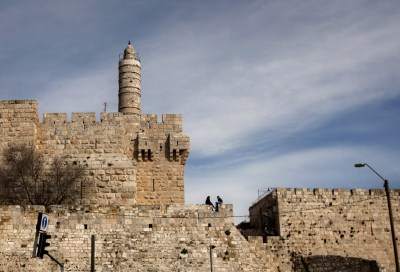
point(386, 185)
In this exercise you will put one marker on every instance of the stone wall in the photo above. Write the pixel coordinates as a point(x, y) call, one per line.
point(129, 158)
point(162, 150)
point(138, 238)
point(347, 223)
point(18, 122)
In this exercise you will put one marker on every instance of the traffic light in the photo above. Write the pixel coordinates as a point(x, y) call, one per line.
point(43, 244)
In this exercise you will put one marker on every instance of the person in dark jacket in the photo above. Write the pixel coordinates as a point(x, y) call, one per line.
point(208, 202)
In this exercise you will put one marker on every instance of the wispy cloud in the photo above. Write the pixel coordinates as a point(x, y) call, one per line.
point(273, 93)
point(325, 167)
point(305, 81)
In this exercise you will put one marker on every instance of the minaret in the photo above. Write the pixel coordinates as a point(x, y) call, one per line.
point(129, 82)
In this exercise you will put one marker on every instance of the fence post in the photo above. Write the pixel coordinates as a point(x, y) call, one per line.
point(92, 254)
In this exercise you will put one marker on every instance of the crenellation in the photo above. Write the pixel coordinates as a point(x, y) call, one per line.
point(341, 192)
point(54, 118)
point(83, 117)
point(112, 117)
point(302, 191)
point(173, 120)
point(147, 121)
point(359, 192)
point(321, 191)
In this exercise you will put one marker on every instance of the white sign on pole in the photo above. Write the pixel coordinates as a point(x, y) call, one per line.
point(44, 223)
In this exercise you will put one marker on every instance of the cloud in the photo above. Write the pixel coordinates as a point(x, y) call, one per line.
point(262, 85)
point(325, 167)
point(89, 91)
point(228, 100)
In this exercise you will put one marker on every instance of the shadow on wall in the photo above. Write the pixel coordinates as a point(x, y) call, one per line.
point(333, 264)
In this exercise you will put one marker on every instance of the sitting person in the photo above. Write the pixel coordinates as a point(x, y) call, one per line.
point(208, 202)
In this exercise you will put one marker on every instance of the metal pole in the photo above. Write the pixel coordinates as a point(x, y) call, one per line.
point(92, 255)
point(39, 220)
point(396, 256)
point(211, 263)
point(386, 185)
point(35, 244)
point(55, 260)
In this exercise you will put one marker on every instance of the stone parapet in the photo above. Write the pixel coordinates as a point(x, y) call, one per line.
point(128, 238)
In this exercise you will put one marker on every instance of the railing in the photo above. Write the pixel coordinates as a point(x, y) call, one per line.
point(137, 57)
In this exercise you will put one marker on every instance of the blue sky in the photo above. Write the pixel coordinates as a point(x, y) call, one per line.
point(273, 93)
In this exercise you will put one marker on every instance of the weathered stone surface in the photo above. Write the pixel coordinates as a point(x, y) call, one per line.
point(347, 223)
point(128, 238)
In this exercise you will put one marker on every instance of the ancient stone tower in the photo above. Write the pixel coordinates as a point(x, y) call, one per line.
point(129, 82)
point(131, 158)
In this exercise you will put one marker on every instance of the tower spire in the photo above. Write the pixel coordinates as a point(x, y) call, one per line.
point(129, 80)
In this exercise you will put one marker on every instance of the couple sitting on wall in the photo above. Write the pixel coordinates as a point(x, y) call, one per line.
point(217, 204)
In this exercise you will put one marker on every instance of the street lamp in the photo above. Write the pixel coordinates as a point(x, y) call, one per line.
point(386, 185)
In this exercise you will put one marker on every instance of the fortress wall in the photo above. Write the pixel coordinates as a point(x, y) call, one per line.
point(18, 122)
point(154, 153)
point(84, 117)
point(83, 135)
point(263, 215)
point(171, 122)
point(140, 238)
point(349, 223)
point(160, 182)
point(272, 251)
point(105, 148)
point(111, 180)
point(160, 167)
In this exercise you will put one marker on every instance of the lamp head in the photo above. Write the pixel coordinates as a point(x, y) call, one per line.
point(358, 165)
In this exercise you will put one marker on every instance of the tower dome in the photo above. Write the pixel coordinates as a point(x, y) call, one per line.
point(129, 80)
point(129, 52)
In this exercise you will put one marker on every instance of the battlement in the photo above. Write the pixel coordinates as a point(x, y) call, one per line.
point(287, 192)
point(54, 118)
point(150, 120)
point(28, 111)
point(172, 118)
point(84, 117)
point(18, 103)
point(19, 111)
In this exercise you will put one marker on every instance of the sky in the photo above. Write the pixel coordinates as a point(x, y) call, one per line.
point(272, 93)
